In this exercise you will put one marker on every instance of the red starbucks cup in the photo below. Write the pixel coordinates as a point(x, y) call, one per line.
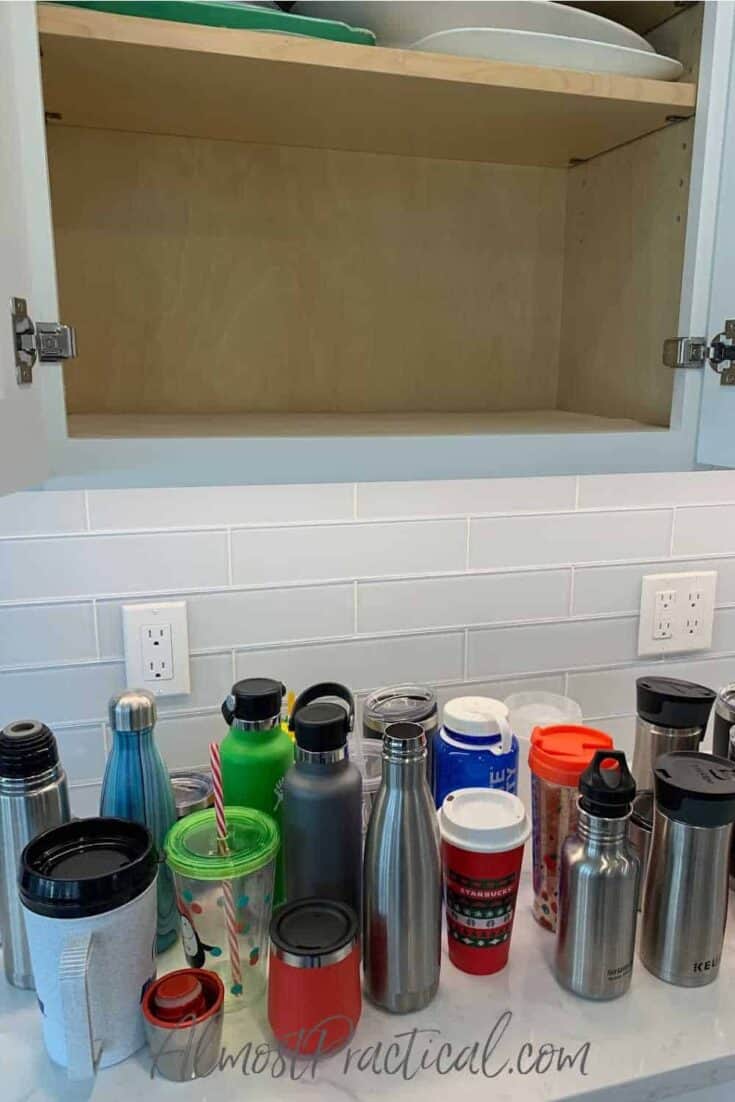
point(483, 833)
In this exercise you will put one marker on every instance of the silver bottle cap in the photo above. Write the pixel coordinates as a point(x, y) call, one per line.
point(132, 710)
point(404, 742)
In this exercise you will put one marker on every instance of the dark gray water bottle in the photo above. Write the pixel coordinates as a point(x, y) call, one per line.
point(322, 801)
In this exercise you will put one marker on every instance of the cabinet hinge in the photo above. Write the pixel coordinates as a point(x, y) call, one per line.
point(45, 341)
point(719, 353)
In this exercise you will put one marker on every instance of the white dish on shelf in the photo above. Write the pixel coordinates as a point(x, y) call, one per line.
point(402, 22)
point(549, 50)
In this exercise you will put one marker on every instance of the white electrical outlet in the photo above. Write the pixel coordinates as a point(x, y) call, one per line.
point(157, 647)
point(677, 612)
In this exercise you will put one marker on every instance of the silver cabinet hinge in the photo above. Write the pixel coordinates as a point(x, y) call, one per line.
point(719, 353)
point(45, 341)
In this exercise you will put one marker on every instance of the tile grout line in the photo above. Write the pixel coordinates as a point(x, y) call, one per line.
point(577, 490)
point(466, 655)
point(233, 665)
point(572, 580)
point(355, 601)
point(87, 518)
point(96, 629)
point(468, 529)
point(229, 557)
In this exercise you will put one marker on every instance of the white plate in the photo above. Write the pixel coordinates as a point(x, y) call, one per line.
point(401, 22)
point(556, 51)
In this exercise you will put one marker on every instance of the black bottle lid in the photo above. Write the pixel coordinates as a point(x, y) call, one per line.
point(606, 787)
point(254, 700)
point(312, 932)
point(27, 749)
point(87, 867)
point(695, 788)
point(320, 724)
point(668, 702)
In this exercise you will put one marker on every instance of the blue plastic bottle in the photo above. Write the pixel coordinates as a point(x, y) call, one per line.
point(475, 748)
point(137, 787)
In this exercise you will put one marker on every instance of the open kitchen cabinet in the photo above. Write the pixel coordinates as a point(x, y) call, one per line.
point(290, 260)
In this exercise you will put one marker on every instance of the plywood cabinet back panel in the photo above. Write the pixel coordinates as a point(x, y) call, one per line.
point(220, 277)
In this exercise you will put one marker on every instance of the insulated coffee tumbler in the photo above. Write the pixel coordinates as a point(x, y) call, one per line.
point(557, 758)
point(238, 955)
point(483, 833)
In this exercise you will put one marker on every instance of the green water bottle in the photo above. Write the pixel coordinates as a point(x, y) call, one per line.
point(257, 752)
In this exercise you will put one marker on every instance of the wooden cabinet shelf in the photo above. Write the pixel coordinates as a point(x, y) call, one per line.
point(124, 73)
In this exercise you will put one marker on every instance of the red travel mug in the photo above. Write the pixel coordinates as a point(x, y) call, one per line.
point(483, 833)
point(314, 995)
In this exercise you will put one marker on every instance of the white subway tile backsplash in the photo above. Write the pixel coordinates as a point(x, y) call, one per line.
point(240, 618)
point(569, 538)
point(31, 635)
point(85, 800)
point(604, 589)
point(218, 506)
point(609, 692)
point(42, 513)
point(184, 741)
point(635, 490)
point(462, 600)
point(621, 730)
point(501, 689)
point(709, 530)
point(68, 694)
point(82, 752)
point(559, 646)
point(91, 565)
point(360, 664)
point(211, 680)
point(272, 555)
point(464, 497)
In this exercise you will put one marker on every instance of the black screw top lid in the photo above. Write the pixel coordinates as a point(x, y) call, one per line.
point(254, 699)
point(322, 725)
point(87, 867)
point(606, 787)
point(27, 749)
point(313, 927)
point(668, 702)
point(695, 788)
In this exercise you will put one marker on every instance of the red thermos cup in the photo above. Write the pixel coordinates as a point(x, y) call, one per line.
point(483, 833)
point(314, 995)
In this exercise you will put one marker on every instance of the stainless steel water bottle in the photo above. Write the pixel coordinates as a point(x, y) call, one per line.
point(724, 721)
point(672, 716)
point(33, 799)
point(322, 802)
point(686, 892)
point(598, 888)
point(402, 879)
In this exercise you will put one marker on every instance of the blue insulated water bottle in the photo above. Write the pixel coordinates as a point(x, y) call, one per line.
point(137, 787)
point(475, 748)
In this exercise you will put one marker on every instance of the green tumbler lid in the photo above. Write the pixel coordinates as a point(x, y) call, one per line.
point(192, 850)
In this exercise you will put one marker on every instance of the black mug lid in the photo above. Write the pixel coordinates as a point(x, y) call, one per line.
point(321, 725)
point(27, 749)
point(695, 788)
point(313, 928)
point(669, 702)
point(87, 867)
point(606, 787)
point(254, 699)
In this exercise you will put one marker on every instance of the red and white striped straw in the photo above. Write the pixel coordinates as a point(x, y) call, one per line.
point(233, 940)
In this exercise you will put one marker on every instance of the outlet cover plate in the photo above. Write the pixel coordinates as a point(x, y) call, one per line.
point(677, 612)
point(138, 620)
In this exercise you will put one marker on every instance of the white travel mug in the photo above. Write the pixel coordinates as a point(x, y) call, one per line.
point(88, 890)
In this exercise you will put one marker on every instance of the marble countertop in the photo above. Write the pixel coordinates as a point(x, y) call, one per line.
point(532, 1041)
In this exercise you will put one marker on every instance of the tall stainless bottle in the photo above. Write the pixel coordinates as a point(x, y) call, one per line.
point(33, 798)
point(598, 888)
point(402, 879)
point(686, 892)
point(724, 721)
point(672, 716)
point(322, 802)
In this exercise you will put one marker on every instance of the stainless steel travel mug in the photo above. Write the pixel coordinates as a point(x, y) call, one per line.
point(672, 716)
point(686, 892)
point(403, 879)
point(33, 798)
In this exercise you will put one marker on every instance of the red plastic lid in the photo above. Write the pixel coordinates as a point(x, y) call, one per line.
point(183, 997)
point(561, 753)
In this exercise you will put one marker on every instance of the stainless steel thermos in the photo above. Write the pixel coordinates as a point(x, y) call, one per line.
point(322, 802)
point(640, 829)
point(33, 798)
point(686, 892)
point(598, 888)
point(724, 721)
point(672, 716)
point(402, 879)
